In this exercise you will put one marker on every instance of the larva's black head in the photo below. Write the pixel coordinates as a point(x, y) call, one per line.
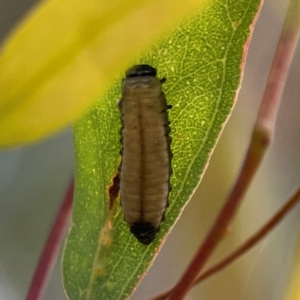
point(144, 231)
point(141, 70)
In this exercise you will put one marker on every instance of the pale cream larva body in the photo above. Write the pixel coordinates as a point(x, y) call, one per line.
point(145, 168)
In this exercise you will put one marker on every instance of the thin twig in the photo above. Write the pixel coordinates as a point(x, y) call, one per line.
point(247, 245)
point(261, 137)
point(51, 248)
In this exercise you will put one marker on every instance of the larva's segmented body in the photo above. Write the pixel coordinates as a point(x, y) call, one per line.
point(145, 168)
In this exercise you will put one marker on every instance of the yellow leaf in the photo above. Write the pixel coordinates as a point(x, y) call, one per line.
point(67, 52)
point(293, 288)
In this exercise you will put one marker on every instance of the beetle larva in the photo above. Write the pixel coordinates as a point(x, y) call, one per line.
point(145, 168)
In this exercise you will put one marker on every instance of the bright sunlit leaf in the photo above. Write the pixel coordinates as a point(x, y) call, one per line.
point(293, 289)
point(66, 52)
point(202, 60)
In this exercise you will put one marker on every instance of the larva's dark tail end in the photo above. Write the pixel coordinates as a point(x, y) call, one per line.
point(144, 231)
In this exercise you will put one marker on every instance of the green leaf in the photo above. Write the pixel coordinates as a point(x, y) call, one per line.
point(202, 61)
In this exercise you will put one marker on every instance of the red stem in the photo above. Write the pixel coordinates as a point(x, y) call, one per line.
point(51, 248)
point(280, 66)
point(261, 137)
point(219, 228)
point(253, 240)
point(247, 245)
